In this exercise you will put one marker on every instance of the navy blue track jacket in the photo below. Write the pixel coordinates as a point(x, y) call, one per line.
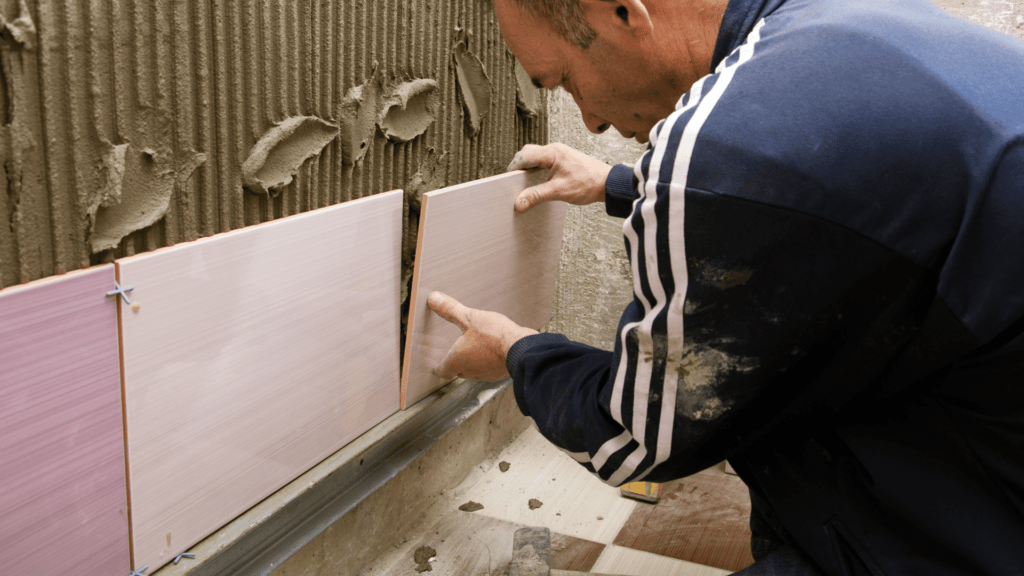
point(827, 246)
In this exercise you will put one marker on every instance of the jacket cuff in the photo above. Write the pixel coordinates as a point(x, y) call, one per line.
point(517, 353)
point(619, 191)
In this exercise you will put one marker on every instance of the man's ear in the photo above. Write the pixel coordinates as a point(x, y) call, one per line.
point(629, 15)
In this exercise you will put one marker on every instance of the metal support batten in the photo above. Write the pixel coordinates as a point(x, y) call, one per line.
point(276, 538)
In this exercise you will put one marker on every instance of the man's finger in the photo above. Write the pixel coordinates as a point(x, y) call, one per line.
point(449, 308)
point(446, 369)
point(534, 195)
point(443, 371)
point(532, 156)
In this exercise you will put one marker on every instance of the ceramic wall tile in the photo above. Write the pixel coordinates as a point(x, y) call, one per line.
point(476, 248)
point(62, 476)
point(249, 357)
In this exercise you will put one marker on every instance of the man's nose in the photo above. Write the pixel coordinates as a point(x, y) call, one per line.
point(594, 126)
point(594, 123)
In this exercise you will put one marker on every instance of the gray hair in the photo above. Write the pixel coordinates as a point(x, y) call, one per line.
point(565, 17)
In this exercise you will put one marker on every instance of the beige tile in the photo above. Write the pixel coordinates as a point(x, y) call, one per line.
point(253, 356)
point(471, 544)
point(476, 248)
point(464, 544)
point(573, 499)
point(629, 562)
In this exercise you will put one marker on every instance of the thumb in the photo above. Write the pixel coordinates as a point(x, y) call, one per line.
point(443, 371)
point(449, 308)
point(534, 195)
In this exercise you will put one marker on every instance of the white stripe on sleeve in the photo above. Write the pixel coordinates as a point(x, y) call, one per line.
point(643, 384)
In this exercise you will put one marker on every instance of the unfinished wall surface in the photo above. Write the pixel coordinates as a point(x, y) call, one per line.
point(130, 124)
point(1006, 16)
point(594, 279)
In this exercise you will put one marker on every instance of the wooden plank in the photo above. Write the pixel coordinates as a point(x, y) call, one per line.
point(568, 553)
point(476, 248)
point(252, 356)
point(62, 477)
point(703, 518)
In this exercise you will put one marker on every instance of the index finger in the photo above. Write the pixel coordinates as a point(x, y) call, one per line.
point(532, 156)
point(449, 308)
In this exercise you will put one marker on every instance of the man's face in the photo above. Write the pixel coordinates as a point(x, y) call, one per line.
point(618, 81)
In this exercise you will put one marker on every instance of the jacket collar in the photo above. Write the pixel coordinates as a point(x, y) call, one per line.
point(740, 18)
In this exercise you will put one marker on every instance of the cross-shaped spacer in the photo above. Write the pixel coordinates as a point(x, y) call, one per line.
point(122, 291)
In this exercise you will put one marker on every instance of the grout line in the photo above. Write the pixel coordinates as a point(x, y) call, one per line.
point(418, 258)
point(124, 422)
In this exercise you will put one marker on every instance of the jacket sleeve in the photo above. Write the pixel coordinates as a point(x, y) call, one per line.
point(620, 191)
point(788, 319)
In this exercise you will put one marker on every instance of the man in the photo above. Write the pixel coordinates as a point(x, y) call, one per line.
point(827, 245)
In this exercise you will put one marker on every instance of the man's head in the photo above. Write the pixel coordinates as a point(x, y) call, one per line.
point(565, 17)
point(625, 62)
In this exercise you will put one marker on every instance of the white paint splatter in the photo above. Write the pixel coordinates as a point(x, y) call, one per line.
point(699, 374)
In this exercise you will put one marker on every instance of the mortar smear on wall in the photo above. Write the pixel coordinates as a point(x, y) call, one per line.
point(358, 113)
point(528, 97)
point(276, 158)
point(409, 110)
point(134, 125)
point(474, 85)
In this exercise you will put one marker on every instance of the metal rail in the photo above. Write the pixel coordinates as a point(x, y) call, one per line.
point(260, 548)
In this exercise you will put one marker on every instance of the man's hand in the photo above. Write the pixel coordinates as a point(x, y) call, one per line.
point(575, 177)
point(480, 352)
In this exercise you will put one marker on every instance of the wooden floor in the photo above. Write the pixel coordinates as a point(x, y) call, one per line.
point(699, 527)
point(703, 518)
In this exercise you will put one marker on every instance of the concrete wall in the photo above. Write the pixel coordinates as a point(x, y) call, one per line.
point(132, 124)
point(1006, 16)
point(594, 279)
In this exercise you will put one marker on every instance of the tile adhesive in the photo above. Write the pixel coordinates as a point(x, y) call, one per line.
point(133, 125)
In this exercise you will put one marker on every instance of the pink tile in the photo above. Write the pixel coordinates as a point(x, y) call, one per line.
point(254, 355)
point(476, 248)
point(62, 476)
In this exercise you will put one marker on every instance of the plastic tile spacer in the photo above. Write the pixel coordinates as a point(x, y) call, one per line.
point(121, 291)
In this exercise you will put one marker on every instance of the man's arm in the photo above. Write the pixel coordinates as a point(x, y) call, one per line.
point(788, 319)
point(620, 191)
